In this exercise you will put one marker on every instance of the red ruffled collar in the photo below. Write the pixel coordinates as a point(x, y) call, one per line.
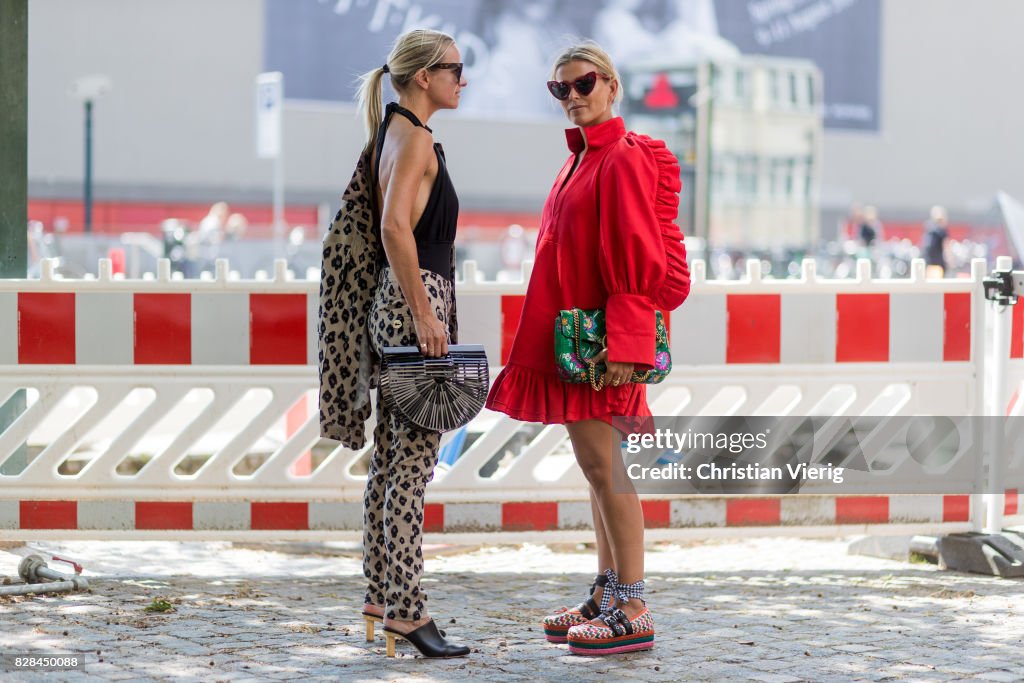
point(596, 136)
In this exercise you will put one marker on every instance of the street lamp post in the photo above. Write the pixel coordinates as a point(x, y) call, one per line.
point(87, 192)
point(13, 189)
point(703, 99)
point(270, 143)
point(88, 89)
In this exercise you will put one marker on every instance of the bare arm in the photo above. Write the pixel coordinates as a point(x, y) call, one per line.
point(411, 163)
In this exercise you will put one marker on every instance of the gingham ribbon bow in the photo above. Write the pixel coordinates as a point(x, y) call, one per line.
point(620, 591)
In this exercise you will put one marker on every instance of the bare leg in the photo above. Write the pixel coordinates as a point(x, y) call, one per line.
point(595, 444)
point(604, 548)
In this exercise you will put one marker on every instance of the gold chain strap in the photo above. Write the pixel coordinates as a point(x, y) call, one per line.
point(595, 382)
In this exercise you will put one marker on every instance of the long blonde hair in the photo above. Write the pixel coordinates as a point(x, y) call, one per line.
point(413, 50)
point(589, 51)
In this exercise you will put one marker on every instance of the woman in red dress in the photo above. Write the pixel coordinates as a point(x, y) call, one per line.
point(600, 245)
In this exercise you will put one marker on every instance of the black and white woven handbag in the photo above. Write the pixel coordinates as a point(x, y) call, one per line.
point(437, 394)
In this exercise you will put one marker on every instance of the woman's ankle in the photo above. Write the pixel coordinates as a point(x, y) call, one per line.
point(405, 625)
point(632, 607)
point(376, 610)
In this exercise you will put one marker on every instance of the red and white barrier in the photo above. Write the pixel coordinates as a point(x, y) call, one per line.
point(229, 323)
point(168, 322)
point(1006, 380)
point(808, 321)
point(142, 518)
point(768, 347)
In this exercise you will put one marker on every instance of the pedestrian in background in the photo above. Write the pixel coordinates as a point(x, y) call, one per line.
point(935, 242)
point(235, 227)
point(203, 245)
point(869, 232)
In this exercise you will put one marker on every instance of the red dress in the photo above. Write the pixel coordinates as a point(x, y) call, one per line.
point(599, 246)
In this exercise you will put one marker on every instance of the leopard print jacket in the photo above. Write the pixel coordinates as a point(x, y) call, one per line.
point(348, 280)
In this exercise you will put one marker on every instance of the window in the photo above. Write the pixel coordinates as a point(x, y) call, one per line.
point(742, 85)
point(746, 179)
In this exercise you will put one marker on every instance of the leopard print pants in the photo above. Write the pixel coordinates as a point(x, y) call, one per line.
point(403, 462)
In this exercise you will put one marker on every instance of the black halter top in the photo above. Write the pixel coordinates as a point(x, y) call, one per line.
point(435, 230)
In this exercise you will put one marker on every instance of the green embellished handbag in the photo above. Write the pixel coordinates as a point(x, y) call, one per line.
point(580, 335)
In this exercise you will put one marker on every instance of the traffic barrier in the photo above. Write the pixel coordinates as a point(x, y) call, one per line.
point(134, 518)
point(161, 322)
point(108, 322)
point(221, 364)
point(1014, 475)
point(1010, 392)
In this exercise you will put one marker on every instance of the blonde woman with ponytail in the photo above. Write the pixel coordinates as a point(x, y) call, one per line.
point(413, 306)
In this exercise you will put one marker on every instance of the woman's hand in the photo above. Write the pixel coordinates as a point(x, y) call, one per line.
point(432, 335)
point(616, 374)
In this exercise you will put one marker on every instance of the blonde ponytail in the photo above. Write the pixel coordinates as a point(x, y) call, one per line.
point(371, 103)
point(413, 50)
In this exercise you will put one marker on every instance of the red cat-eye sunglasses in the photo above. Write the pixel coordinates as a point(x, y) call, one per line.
point(584, 85)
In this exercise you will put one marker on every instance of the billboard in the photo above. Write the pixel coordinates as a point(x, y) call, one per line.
point(508, 45)
point(841, 36)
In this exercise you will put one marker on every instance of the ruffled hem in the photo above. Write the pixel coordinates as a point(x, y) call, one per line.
point(534, 396)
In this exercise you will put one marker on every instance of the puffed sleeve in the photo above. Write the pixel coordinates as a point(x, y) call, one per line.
point(632, 258)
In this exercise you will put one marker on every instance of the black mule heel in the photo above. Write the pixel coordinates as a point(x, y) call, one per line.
point(369, 619)
point(427, 639)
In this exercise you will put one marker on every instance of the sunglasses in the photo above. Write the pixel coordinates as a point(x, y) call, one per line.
point(450, 66)
point(584, 86)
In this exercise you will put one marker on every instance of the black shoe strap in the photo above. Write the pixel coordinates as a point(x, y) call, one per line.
point(617, 621)
point(588, 608)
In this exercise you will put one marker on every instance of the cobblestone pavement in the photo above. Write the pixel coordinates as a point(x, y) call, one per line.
point(772, 610)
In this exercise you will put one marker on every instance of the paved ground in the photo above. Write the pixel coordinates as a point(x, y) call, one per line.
point(766, 610)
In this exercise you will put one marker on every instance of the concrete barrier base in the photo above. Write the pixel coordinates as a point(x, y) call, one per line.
point(999, 554)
